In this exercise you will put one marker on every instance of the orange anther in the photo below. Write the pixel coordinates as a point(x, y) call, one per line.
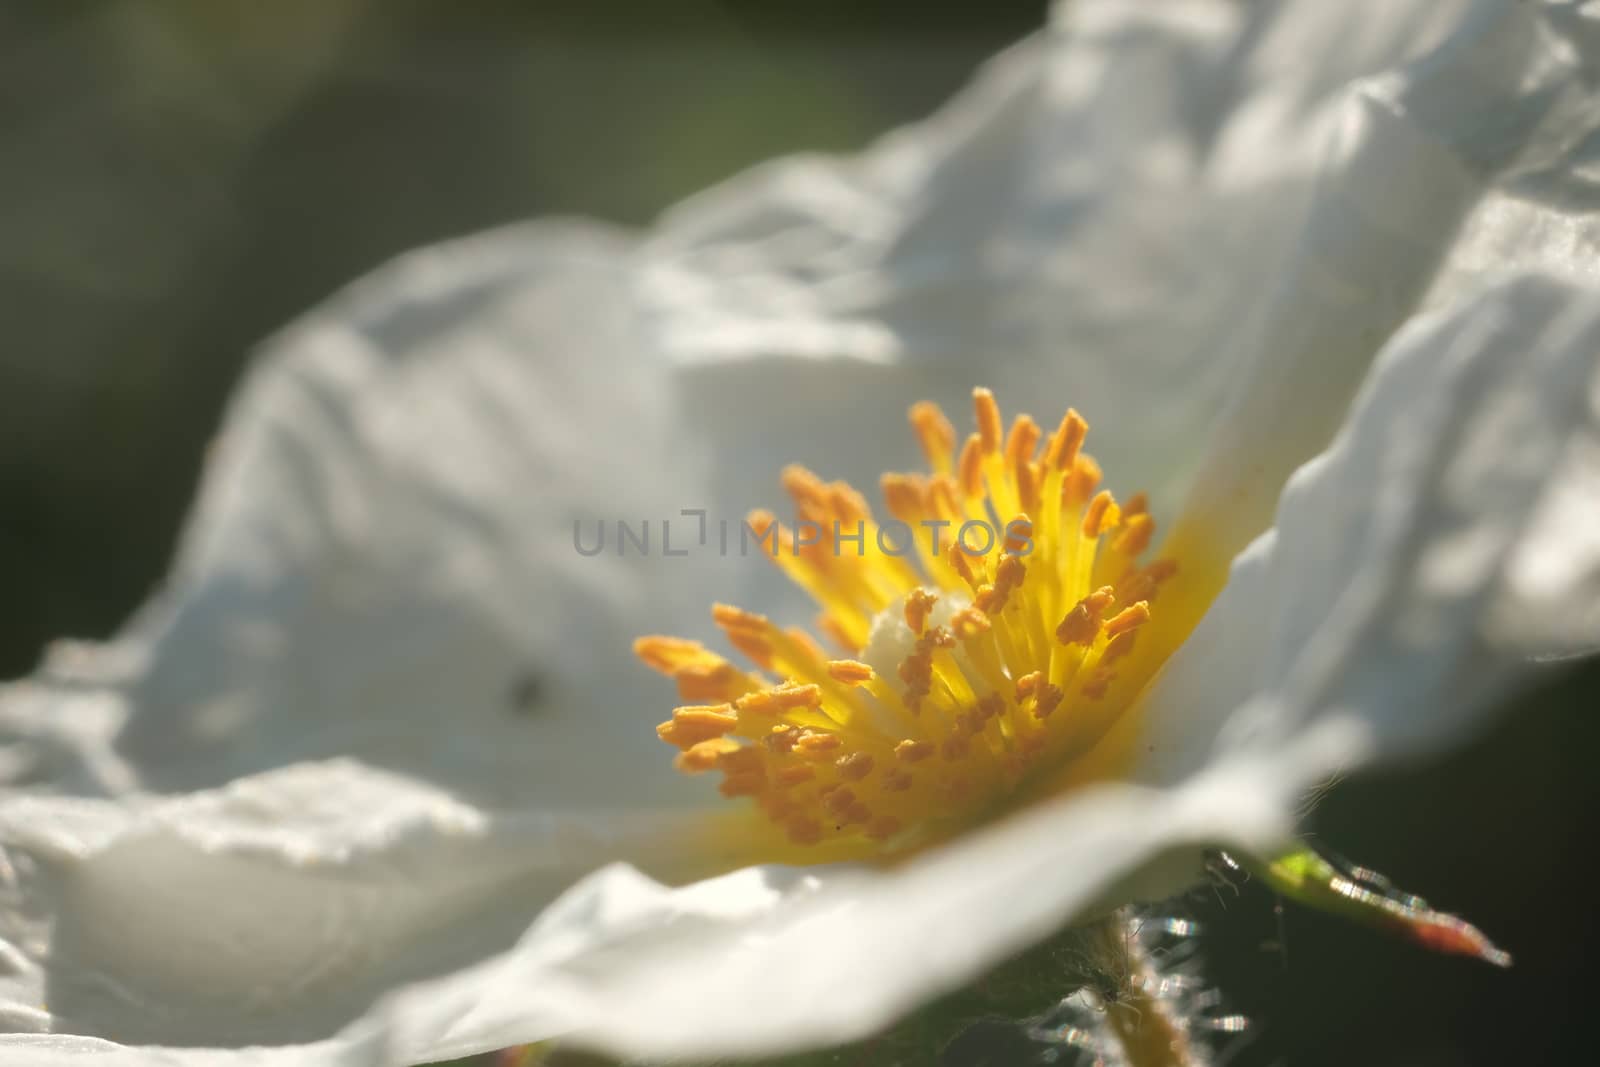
point(1134, 538)
point(794, 774)
point(806, 489)
point(854, 767)
point(761, 523)
point(1118, 647)
point(1079, 627)
point(849, 671)
point(838, 800)
point(918, 603)
point(758, 703)
point(849, 506)
point(791, 695)
point(1143, 584)
point(989, 422)
point(1101, 515)
point(817, 746)
point(1019, 532)
point(702, 757)
point(752, 645)
point(667, 654)
point(970, 469)
point(731, 618)
point(1021, 441)
point(1086, 474)
point(909, 751)
point(969, 623)
point(942, 498)
point(1047, 700)
point(1027, 476)
point(691, 725)
point(1062, 452)
point(1129, 618)
point(1010, 573)
point(1162, 569)
point(718, 680)
point(1082, 623)
point(742, 759)
point(934, 433)
point(783, 738)
point(905, 495)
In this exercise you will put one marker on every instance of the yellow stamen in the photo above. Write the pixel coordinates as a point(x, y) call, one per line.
point(1127, 619)
point(689, 726)
point(1001, 660)
point(1101, 515)
point(935, 434)
point(971, 467)
point(1064, 444)
point(850, 671)
point(1082, 623)
point(989, 421)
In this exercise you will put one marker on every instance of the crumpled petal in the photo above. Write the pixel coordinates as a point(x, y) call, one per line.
point(349, 587)
point(1513, 90)
point(1102, 170)
point(1349, 634)
point(838, 958)
point(1069, 212)
point(276, 909)
point(1374, 600)
point(381, 562)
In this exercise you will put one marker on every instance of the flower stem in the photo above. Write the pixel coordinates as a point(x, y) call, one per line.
point(1142, 1025)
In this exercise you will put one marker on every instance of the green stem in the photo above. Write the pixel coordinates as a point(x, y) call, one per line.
point(1368, 898)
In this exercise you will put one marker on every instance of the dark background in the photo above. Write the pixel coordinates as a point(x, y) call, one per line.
point(179, 179)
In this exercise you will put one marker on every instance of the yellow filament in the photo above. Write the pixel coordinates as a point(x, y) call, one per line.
point(1015, 659)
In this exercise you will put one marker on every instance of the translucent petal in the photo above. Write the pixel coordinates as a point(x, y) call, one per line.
point(276, 909)
point(382, 564)
point(1373, 600)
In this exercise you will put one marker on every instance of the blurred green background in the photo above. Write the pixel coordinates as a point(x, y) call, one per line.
point(178, 179)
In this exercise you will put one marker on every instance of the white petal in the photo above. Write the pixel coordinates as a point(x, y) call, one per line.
point(276, 910)
point(355, 584)
point(1509, 91)
point(1113, 216)
point(1548, 602)
point(839, 957)
point(1371, 601)
point(382, 560)
point(1542, 215)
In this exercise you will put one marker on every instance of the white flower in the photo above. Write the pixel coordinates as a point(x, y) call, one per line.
point(373, 781)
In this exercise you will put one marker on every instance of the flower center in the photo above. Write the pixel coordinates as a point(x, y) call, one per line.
point(986, 674)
